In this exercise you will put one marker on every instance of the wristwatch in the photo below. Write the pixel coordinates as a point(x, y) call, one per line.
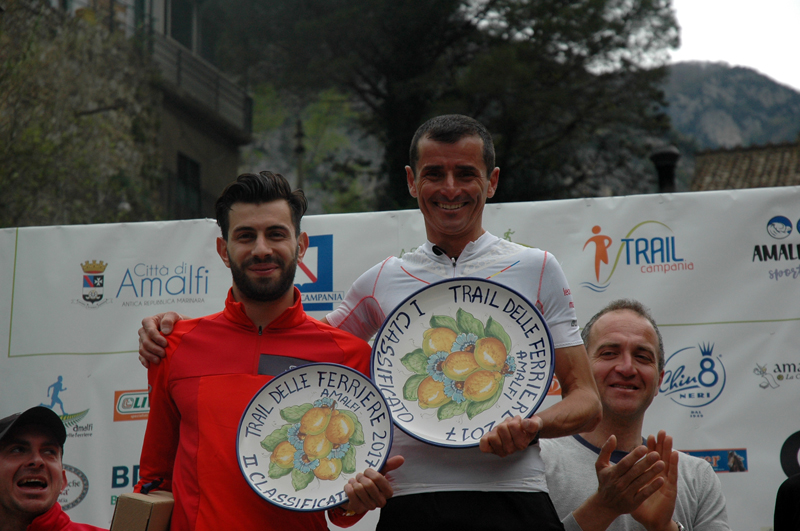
point(680, 525)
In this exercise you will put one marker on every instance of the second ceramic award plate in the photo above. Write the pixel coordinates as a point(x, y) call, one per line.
point(308, 431)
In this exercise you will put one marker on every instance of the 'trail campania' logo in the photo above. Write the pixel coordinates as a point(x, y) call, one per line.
point(647, 246)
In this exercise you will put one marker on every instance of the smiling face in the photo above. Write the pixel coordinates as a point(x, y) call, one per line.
point(451, 184)
point(623, 351)
point(262, 251)
point(31, 474)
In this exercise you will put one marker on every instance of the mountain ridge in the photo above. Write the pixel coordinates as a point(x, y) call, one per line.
point(721, 106)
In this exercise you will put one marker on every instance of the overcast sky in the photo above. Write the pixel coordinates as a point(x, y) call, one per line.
point(762, 34)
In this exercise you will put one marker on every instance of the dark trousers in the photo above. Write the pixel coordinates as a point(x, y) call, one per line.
point(466, 511)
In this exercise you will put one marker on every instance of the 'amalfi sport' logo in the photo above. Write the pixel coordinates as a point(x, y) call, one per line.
point(93, 281)
point(693, 376)
point(314, 277)
point(131, 405)
point(647, 246)
point(779, 227)
point(76, 488)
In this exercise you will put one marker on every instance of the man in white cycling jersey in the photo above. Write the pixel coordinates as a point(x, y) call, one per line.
point(452, 173)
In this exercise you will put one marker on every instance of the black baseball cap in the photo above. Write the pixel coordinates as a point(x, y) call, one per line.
point(40, 416)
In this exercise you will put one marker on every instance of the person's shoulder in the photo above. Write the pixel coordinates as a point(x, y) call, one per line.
point(791, 484)
point(337, 334)
point(376, 270)
point(186, 328)
point(185, 325)
point(322, 327)
point(532, 260)
point(535, 252)
point(413, 255)
point(500, 245)
point(693, 465)
point(691, 460)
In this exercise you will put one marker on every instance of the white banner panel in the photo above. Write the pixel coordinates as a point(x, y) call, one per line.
point(720, 270)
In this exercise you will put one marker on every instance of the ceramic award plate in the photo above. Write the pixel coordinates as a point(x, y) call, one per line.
point(458, 356)
point(308, 431)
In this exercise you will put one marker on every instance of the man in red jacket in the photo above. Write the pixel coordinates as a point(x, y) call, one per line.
point(215, 364)
point(31, 473)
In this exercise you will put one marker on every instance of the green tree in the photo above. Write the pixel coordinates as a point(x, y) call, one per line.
point(569, 88)
point(78, 122)
point(316, 140)
point(393, 57)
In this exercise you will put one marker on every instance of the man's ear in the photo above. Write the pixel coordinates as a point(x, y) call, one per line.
point(222, 251)
point(412, 184)
point(63, 480)
point(302, 246)
point(493, 178)
point(660, 379)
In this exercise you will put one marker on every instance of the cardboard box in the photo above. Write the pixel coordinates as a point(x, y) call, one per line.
point(143, 512)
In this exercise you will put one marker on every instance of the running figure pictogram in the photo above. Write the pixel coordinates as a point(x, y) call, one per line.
point(601, 243)
point(57, 387)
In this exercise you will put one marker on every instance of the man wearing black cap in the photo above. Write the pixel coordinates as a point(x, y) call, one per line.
point(31, 473)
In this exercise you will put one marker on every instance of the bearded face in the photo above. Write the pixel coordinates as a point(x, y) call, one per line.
point(264, 289)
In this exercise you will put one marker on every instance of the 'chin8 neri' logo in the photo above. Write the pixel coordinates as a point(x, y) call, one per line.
point(693, 376)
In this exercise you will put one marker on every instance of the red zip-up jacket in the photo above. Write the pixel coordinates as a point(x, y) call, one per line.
point(55, 519)
point(198, 394)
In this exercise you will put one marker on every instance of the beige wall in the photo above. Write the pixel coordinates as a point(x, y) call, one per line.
point(218, 158)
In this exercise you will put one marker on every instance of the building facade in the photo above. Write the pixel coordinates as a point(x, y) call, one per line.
point(206, 117)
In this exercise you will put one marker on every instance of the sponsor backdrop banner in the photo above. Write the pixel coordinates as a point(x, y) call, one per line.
point(720, 270)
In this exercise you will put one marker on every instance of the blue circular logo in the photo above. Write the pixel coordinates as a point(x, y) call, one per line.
point(780, 227)
point(75, 490)
point(693, 376)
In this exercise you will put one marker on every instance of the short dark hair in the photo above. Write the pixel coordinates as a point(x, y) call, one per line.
point(259, 188)
point(634, 306)
point(450, 128)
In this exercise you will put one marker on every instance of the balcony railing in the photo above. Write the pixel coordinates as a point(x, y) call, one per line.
point(194, 81)
point(203, 83)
